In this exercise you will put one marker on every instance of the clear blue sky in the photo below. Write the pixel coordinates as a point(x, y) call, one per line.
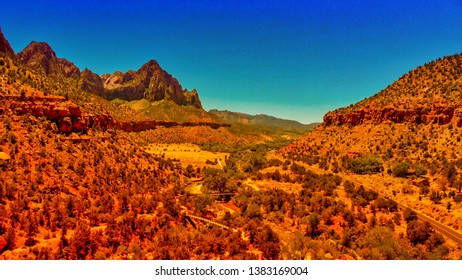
point(290, 59)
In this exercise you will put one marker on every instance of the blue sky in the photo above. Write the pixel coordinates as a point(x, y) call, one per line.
point(290, 59)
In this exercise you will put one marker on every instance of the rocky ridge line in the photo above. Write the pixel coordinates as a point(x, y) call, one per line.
point(438, 113)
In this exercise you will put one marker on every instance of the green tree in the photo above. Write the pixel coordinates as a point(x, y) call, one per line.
point(10, 238)
point(268, 242)
point(312, 229)
point(202, 201)
point(418, 232)
point(255, 162)
point(400, 169)
point(365, 165)
point(31, 229)
point(215, 179)
point(253, 211)
point(381, 239)
point(420, 170)
point(409, 215)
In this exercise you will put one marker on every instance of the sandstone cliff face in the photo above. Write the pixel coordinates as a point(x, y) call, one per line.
point(40, 56)
point(69, 117)
point(91, 82)
point(436, 113)
point(192, 98)
point(431, 93)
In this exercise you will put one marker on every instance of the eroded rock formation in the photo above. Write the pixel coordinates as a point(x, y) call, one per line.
point(69, 117)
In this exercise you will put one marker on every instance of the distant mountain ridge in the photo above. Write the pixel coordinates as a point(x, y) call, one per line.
point(262, 119)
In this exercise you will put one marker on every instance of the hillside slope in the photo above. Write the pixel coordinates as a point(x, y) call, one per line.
point(431, 93)
point(404, 142)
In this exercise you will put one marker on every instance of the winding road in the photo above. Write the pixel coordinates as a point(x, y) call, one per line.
point(439, 227)
point(444, 230)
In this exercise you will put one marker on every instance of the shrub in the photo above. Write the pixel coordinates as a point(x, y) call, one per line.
point(420, 170)
point(365, 165)
point(409, 215)
point(400, 169)
point(418, 232)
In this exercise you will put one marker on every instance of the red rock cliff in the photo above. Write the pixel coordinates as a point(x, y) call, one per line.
point(69, 117)
point(437, 114)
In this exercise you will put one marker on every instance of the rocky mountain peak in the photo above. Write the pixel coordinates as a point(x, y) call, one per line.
point(151, 64)
point(40, 56)
point(150, 82)
point(37, 48)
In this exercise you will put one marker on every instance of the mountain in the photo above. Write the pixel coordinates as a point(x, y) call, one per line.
point(261, 119)
point(405, 121)
point(167, 110)
point(150, 82)
point(39, 72)
point(40, 56)
point(431, 93)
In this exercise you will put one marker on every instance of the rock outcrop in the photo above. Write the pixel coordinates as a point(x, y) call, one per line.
point(430, 93)
point(69, 117)
point(192, 98)
point(150, 82)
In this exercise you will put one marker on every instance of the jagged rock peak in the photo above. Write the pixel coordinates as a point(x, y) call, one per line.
point(150, 64)
point(149, 82)
point(35, 48)
point(40, 56)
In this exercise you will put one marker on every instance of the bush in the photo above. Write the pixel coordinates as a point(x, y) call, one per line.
point(436, 197)
point(420, 170)
point(400, 169)
point(458, 198)
point(418, 232)
point(409, 215)
point(365, 165)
